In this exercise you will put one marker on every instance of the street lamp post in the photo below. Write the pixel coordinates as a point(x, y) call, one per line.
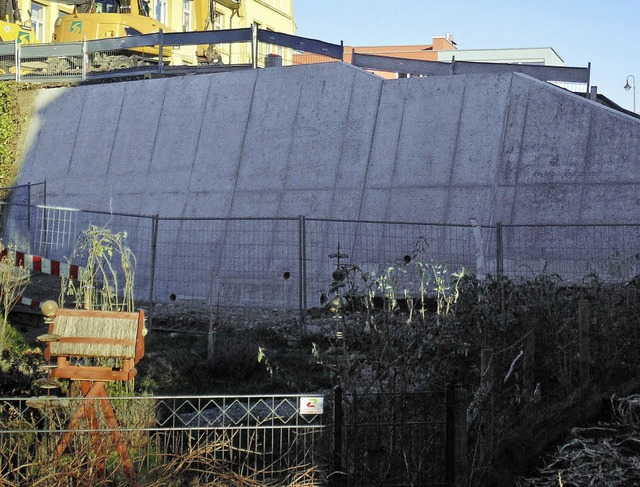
point(627, 87)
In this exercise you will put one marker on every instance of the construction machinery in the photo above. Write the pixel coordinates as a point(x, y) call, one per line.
point(205, 17)
point(11, 26)
point(105, 19)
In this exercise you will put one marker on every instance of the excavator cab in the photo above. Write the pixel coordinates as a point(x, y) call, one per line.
point(106, 7)
point(105, 19)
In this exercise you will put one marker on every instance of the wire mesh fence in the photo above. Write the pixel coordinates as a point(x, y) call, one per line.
point(38, 61)
point(289, 263)
point(572, 252)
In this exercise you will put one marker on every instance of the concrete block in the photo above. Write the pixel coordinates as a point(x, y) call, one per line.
point(427, 141)
point(511, 147)
point(614, 139)
point(416, 204)
point(555, 137)
point(610, 202)
point(477, 151)
point(313, 203)
point(180, 124)
point(384, 146)
point(255, 203)
point(50, 156)
point(366, 91)
point(551, 203)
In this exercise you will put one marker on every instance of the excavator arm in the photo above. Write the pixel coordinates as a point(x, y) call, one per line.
point(205, 15)
point(17, 16)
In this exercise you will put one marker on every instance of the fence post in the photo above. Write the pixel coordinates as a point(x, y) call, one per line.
point(29, 207)
point(254, 46)
point(152, 276)
point(302, 265)
point(85, 59)
point(456, 464)
point(585, 352)
point(17, 58)
point(632, 322)
point(160, 52)
point(337, 477)
point(499, 250)
point(487, 376)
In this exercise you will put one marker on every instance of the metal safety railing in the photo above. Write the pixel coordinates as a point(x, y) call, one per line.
point(266, 438)
point(337, 438)
point(156, 54)
point(166, 53)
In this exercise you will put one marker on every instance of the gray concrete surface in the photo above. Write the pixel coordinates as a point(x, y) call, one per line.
point(333, 141)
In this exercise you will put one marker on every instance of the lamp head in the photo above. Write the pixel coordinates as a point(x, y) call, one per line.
point(627, 86)
point(49, 308)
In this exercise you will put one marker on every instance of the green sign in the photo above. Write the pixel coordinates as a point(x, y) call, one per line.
point(76, 27)
point(23, 37)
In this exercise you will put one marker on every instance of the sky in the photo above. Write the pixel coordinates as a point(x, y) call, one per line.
point(603, 33)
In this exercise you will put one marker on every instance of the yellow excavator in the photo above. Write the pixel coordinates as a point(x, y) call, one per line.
point(11, 26)
point(105, 19)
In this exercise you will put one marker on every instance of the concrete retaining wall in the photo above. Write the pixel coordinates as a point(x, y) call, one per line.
point(333, 141)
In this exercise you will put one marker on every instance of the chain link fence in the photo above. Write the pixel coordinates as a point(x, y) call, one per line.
point(288, 263)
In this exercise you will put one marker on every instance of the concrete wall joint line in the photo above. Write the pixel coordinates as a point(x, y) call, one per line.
point(155, 136)
point(197, 144)
point(365, 179)
point(585, 166)
point(77, 131)
point(244, 139)
point(394, 170)
point(516, 176)
point(447, 215)
point(344, 138)
point(500, 161)
point(217, 265)
point(115, 132)
point(289, 162)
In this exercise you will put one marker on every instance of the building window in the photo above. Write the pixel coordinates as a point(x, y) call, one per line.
point(37, 21)
point(217, 22)
point(186, 15)
point(161, 11)
point(279, 4)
